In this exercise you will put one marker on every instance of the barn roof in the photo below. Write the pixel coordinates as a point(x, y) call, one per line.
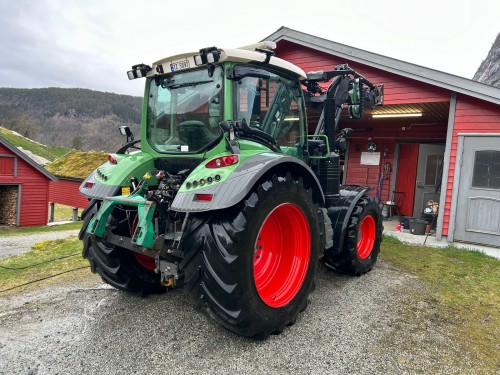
point(77, 165)
point(434, 77)
point(27, 159)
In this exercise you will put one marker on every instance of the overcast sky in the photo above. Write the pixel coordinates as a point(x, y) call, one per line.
point(92, 43)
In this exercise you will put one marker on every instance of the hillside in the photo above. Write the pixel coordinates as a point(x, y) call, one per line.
point(32, 148)
point(489, 70)
point(73, 118)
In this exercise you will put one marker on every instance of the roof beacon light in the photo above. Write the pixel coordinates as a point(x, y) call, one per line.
point(266, 44)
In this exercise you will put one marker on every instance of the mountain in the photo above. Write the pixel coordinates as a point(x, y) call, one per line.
point(489, 70)
point(74, 118)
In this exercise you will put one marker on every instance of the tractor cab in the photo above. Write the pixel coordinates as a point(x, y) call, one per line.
point(189, 95)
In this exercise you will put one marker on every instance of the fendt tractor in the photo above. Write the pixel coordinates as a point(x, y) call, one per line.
point(227, 193)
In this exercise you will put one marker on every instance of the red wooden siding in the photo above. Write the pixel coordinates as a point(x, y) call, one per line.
point(34, 192)
point(471, 116)
point(67, 192)
point(398, 89)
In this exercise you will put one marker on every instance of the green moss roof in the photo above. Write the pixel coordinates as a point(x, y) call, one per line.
point(47, 152)
point(77, 164)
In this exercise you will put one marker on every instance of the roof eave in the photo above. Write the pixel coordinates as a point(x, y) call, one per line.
point(27, 159)
point(430, 76)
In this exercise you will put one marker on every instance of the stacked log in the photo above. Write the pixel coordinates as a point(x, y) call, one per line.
point(8, 205)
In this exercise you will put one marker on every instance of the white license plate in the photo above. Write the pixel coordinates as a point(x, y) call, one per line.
point(179, 65)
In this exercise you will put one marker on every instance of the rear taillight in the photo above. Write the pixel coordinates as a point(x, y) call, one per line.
point(204, 197)
point(88, 185)
point(222, 161)
point(112, 159)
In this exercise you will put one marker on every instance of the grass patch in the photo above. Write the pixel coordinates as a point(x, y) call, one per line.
point(48, 152)
point(44, 253)
point(466, 286)
point(62, 212)
point(19, 231)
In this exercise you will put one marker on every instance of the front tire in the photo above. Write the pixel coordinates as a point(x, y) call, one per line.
point(117, 266)
point(362, 239)
point(252, 267)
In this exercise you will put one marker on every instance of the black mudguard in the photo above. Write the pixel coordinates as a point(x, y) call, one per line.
point(339, 213)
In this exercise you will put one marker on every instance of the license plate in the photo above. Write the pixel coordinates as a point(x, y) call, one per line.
point(179, 65)
point(125, 190)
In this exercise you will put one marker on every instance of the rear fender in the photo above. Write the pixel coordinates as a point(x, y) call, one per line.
point(241, 181)
point(340, 212)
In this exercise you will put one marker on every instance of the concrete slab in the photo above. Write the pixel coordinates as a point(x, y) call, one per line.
point(424, 240)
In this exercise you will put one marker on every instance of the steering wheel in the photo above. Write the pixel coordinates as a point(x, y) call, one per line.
point(125, 147)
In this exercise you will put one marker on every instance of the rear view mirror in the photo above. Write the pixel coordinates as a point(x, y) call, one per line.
point(125, 130)
point(355, 99)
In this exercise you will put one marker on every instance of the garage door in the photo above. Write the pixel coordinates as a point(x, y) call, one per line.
point(478, 205)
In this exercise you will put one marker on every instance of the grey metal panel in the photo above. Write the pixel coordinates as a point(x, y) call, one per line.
point(483, 215)
point(18, 209)
point(237, 186)
point(98, 190)
point(446, 163)
point(405, 69)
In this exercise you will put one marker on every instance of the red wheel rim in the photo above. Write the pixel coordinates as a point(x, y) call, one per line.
point(366, 236)
point(143, 260)
point(282, 253)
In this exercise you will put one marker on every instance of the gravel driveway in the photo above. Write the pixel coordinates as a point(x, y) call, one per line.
point(353, 325)
point(15, 245)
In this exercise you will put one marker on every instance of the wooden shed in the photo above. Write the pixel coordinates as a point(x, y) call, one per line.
point(437, 138)
point(24, 188)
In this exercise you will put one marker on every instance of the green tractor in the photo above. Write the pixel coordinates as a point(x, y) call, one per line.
point(228, 194)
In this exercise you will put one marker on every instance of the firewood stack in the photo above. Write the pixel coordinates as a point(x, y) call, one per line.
point(8, 205)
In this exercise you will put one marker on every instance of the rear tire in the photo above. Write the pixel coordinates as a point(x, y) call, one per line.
point(252, 267)
point(362, 239)
point(117, 266)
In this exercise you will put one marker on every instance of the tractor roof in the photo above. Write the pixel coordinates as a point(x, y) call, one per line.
point(253, 53)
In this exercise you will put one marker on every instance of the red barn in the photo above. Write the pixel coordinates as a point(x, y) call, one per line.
point(437, 138)
point(66, 191)
point(24, 188)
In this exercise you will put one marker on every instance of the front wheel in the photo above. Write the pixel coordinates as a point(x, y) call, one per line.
point(252, 267)
point(362, 239)
point(119, 267)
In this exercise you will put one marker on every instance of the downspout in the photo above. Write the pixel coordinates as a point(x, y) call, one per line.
point(446, 166)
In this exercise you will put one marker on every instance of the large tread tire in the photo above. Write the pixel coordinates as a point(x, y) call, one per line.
point(116, 266)
point(221, 263)
point(362, 239)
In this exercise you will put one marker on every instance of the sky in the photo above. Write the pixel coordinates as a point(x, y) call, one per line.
point(92, 43)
